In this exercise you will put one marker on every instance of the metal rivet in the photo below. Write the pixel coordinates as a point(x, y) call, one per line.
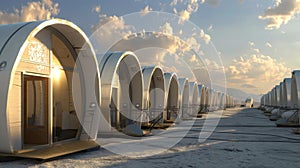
point(3, 65)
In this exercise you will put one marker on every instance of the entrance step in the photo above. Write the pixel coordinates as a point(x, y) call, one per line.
point(56, 150)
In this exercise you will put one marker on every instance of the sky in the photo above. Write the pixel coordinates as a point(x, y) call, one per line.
point(257, 42)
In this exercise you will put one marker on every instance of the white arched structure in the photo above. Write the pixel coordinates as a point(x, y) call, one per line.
point(183, 97)
point(37, 69)
point(171, 97)
point(282, 95)
point(295, 89)
point(277, 96)
point(211, 97)
point(291, 118)
point(269, 103)
point(202, 91)
point(273, 97)
point(222, 101)
point(154, 93)
point(122, 91)
point(262, 100)
point(287, 93)
point(194, 99)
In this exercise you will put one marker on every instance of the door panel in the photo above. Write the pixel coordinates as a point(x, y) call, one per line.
point(35, 110)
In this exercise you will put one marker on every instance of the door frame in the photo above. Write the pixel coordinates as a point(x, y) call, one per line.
point(50, 112)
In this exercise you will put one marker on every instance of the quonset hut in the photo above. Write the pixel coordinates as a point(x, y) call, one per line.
point(171, 97)
point(121, 91)
point(154, 95)
point(42, 64)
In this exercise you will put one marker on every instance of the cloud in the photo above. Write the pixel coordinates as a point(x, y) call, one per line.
point(110, 28)
point(210, 28)
point(212, 2)
point(268, 45)
point(256, 50)
point(166, 28)
point(204, 36)
point(174, 2)
point(184, 16)
point(96, 9)
point(248, 86)
point(257, 69)
point(280, 13)
point(32, 11)
point(162, 47)
point(251, 43)
point(184, 8)
point(146, 10)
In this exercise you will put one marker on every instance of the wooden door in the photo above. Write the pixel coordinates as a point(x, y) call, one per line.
point(36, 99)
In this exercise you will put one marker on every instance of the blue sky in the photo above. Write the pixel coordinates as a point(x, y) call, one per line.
point(247, 46)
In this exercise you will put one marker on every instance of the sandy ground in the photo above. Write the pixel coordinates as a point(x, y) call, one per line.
point(243, 138)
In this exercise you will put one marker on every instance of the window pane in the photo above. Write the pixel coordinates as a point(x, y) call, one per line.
point(35, 103)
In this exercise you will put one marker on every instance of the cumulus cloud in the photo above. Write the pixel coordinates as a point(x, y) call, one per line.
point(268, 44)
point(167, 46)
point(251, 43)
point(166, 28)
point(258, 70)
point(184, 16)
point(184, 8)
point(32, 11)
point(110, 28)
point(212, 2)
point(210, 28)
point(204, 36)
point(280, 13)
point(96, 9)
point(146, 10)
point(248, 86)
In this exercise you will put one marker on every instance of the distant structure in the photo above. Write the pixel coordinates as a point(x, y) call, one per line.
point(282, 103)
point(249, 102)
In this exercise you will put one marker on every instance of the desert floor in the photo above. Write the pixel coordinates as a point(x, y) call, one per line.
point(242, 138)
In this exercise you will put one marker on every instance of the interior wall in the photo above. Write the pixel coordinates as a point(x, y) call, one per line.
point(65, 119)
